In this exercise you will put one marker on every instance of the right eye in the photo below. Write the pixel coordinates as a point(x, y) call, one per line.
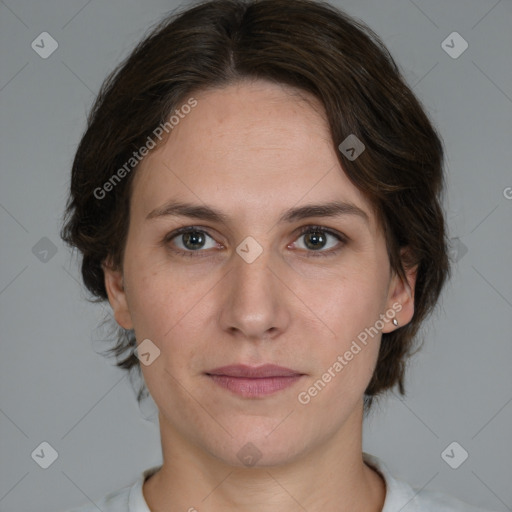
point(190, 240)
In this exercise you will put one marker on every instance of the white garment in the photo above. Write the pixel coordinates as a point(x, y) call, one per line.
point(400, 496)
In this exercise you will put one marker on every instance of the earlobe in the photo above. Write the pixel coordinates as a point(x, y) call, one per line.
point(401, 298)
point(114, 285)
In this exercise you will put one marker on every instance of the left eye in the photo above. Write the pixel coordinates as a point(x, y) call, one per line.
point(318, 239)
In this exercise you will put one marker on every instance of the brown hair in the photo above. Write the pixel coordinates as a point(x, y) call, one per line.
point(301, 43)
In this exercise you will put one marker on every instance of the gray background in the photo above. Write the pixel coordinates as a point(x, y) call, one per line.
point(55, 387)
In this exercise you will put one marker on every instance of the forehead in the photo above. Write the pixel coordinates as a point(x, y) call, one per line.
point(246, 147)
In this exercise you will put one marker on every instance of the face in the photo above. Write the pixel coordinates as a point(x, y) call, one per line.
point(249, 246)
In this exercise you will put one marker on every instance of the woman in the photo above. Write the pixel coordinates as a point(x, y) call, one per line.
point(257, 195)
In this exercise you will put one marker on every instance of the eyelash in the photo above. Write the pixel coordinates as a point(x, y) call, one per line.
point(303, 231)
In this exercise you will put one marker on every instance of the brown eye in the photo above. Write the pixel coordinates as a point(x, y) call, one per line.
point(323, 241)
point(315, 240)
point(193, 240)
point(189, 240)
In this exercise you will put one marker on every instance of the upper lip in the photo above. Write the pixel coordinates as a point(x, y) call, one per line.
point(254, 372)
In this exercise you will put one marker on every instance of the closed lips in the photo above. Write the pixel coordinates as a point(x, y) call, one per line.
point(252, 372)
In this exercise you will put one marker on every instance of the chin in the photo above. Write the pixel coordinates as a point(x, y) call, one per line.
point(264, 443)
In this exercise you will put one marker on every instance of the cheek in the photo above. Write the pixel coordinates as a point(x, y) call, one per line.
point(347, 301)
point(168, 305)
point(151, 296)
point(345, 359)
point(349, 304)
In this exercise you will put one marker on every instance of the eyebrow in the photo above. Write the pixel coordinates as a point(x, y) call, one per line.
point(208, 213)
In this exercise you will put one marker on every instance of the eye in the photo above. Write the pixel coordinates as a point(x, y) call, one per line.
point(190, 239)
point(319, 239)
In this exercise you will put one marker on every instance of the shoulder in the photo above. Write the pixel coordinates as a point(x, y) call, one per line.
point(441, 502)
point(401, 496)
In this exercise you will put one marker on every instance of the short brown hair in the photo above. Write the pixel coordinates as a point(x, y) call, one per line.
point(305, 44)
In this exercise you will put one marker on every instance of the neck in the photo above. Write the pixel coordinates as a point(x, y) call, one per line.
point(330, 477)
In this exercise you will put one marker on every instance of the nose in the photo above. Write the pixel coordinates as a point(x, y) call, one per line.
point(255, 303)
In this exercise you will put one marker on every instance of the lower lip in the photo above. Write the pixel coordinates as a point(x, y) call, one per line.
point(252, 388)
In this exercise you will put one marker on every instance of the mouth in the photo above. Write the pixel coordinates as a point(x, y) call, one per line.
point(254, 381)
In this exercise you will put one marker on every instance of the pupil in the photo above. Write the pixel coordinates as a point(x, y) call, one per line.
point(315, 240)
point(194, 240)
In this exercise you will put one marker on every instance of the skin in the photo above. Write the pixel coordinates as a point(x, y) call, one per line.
point(253, 150)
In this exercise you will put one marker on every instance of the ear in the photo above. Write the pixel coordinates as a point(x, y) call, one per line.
point(401, 294)
point(116, 295)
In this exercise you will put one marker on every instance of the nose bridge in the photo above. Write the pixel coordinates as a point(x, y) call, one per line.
point(254, 272)
point(251, 273)
point(254, 304)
